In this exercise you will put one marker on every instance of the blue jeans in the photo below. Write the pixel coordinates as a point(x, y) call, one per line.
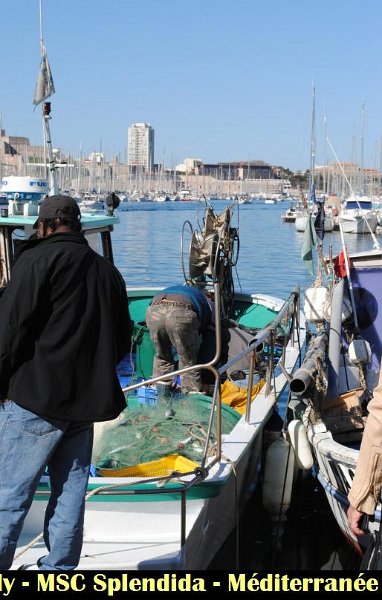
point(28, 444)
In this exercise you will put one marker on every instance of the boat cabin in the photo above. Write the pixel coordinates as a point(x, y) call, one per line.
point(360, 203)
point(14, 229)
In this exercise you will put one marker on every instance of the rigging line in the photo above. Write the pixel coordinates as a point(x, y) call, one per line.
point(375, 241)
point(340, 165)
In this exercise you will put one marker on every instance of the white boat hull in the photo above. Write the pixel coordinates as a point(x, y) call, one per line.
point(301, 221)
point(146, 535)
point(336, 465)
point(358, 224)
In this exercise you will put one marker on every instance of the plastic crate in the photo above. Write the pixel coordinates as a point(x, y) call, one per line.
point(147, 395)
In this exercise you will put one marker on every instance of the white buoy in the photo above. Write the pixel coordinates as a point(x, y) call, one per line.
point(278, 478)
point(300, 444)
point(360, 351)
point(315, 299)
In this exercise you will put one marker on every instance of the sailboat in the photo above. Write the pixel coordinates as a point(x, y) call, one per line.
point(357, 213)
point(312, 205)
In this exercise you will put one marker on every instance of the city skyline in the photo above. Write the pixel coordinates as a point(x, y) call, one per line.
point(219, 80)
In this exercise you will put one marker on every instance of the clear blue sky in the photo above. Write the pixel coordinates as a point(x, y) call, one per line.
point(217, 79)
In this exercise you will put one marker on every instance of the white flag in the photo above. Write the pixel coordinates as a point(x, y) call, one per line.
point(44, 84)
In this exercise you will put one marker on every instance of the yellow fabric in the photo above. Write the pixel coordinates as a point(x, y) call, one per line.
point(156, 468)
point(236, 396)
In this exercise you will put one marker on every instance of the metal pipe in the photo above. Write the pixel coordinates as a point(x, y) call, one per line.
point(305, 374)
point(263, 337)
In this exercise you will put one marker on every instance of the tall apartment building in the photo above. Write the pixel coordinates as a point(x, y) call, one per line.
point(140, 146)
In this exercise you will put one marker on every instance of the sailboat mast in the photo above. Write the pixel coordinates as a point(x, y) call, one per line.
point(313, 149)
point(362, 178)
point(326, 171)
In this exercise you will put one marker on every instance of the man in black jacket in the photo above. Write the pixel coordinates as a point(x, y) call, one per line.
point(64, 327)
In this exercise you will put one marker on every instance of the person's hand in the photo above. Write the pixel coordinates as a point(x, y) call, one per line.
point(354, 519)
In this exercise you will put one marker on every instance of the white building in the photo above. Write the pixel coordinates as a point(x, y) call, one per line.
point(140, 146)
point(190, 166)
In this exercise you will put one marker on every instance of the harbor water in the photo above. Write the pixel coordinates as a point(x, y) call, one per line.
point(149, 249)
point(147, 245)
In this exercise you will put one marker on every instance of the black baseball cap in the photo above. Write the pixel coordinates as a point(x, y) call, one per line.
point(58, 206)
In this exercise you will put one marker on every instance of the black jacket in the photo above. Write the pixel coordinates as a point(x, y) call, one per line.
point(64, 326)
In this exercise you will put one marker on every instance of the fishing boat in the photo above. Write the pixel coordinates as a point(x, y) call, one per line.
point(165, 493)
point(329, 398)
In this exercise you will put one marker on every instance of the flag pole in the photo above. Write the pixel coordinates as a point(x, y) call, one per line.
point(53, 181)
point(45, 90)
point(41, 37)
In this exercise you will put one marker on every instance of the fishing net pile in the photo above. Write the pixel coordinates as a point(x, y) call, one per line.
point(149, 432)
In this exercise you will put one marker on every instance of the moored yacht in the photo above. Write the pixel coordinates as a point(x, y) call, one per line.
point(301, 219)
point(294, 210)
point(358, 216)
